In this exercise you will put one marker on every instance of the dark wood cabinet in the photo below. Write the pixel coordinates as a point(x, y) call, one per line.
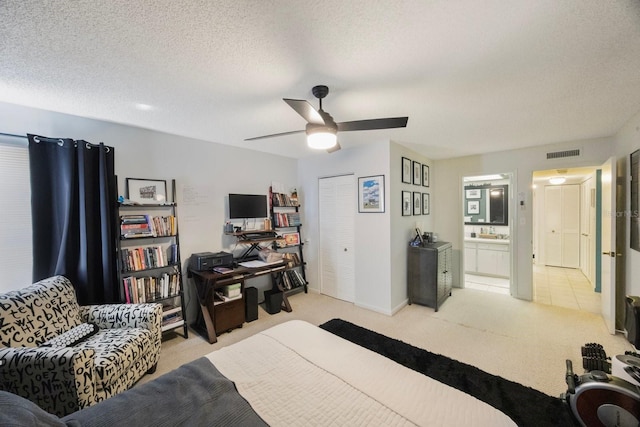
point(429, 274)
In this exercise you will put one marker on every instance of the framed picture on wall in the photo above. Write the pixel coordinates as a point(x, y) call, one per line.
point(417, 173)
point(371, 194)
point(406, 203)
point(473, 207)
point(425, 203)
point(406, 170)
point(417, 203)
point(474, 193)
point(425, 175)
point(146, 191)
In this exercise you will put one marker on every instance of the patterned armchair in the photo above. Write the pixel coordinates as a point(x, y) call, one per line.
point(65, 357)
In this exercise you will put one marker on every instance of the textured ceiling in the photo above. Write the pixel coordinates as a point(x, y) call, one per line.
point(473, 76)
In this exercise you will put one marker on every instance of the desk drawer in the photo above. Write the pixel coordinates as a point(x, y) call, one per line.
point(228, 315)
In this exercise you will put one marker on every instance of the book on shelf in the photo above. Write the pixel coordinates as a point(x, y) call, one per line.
point(292, 279)
point(172, 254)
point(284, 200)
point(150, 288)
point(146, 225)
point(288, 219)
point(291, 258)
point(171, 318)
point(143, 258)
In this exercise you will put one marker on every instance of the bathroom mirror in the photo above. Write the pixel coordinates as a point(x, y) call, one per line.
point(486, 204)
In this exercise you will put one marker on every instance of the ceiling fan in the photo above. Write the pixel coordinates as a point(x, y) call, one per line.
point(321, 129)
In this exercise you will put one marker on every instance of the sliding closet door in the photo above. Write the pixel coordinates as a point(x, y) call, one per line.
point(336, 216)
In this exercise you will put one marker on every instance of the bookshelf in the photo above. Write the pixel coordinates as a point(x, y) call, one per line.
point(149, 267)
point(285, 219)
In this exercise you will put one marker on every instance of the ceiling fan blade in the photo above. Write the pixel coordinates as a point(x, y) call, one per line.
point(274, 135)
point(334, 148)
point(388, 123)
point(306, 110)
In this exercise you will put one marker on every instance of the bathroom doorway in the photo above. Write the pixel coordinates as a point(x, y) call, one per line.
point(487, 223)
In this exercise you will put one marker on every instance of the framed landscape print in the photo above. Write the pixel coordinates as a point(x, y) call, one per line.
point(417, 203)
point(425, 175)
point(406, 170)
point(425, 203)
point(417, 173)
point(371, 194)
point(406, 203)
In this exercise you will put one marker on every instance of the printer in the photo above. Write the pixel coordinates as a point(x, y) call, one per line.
point(207, 261)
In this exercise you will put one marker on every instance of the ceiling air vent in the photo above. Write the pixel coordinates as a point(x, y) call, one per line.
point(563, 154)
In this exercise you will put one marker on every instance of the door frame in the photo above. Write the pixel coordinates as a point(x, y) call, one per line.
point(511, 178)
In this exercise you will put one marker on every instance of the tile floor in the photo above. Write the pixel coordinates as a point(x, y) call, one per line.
point(563, 287)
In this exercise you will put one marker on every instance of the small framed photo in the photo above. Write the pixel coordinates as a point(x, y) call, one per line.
point(406, 170)
point(417, 173)
point(406, 203)
point(371, 194)
point(425, 175)
point(474, 193)
point(291, 239)
point(146, 191)
point(425, 203)
point(473, 207)
point(417, 203)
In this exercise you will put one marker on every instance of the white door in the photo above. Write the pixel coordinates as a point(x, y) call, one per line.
point(571, 226)
point(336, 217)
point(608, 233)
point(562, 225)
point(552, 226)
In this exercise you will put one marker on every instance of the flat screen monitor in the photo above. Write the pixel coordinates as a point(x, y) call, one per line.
point(242, 206)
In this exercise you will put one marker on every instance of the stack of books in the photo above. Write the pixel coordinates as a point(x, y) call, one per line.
point(229, 293)
point(132, 226)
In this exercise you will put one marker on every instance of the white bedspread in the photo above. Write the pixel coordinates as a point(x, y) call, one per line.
point(298, 374)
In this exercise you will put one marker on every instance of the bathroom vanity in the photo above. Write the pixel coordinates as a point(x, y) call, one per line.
point(488, 257)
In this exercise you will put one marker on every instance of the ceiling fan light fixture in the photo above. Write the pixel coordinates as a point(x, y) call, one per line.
point(321, 138)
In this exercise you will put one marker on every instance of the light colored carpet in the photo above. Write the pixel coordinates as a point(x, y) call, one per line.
point(518, 340)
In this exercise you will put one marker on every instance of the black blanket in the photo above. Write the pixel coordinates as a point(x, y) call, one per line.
point(524, 405)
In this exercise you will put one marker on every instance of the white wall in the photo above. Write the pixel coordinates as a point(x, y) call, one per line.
point(381, 239)
point(372, 231)
point(211, 170)
point(403, 227)
point(521, 163)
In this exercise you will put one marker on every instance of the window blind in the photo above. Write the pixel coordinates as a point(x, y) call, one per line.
point(15, 222)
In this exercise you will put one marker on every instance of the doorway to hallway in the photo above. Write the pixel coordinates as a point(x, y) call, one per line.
point(564, 287)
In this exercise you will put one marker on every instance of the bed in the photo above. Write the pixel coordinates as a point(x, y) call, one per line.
point(291, 374)
point(298, 374)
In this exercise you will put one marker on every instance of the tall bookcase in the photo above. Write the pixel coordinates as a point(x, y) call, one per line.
point(149, 266)
point(285, 218)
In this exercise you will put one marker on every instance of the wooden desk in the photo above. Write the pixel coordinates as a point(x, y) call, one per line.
point(208, 281)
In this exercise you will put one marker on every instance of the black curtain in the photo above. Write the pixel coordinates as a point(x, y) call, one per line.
point(73, 199)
